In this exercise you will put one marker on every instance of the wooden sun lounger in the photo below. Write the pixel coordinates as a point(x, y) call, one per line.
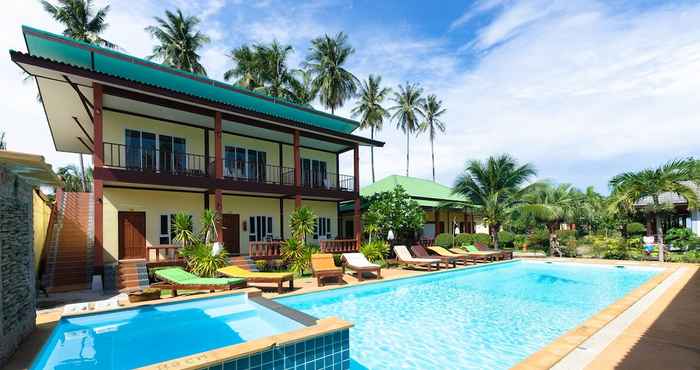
point(404, 257)
point(175, 278)
point(502, 255)
point(259, 277)
point(420, 252)
point(440, 251)
point(358, 263)
point(474, 257)
point(323, 266)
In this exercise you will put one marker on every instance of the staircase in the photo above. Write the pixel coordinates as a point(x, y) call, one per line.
point(244, 262)
point(69, 254)
point(133, 275)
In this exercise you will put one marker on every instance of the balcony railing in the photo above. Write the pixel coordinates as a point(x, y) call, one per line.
point(265, 250)
point(154, 160)
point(258, 172)
point(339, 246)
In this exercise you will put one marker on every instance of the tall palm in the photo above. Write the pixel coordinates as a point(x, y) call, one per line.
point(81, 21)
point(247, 70)
point(369, 108)
point(432, 111)
point(326, 62)
point(276, 76)
point(178, 41)
point(302, 87)
point(3, 141)
point(407, 112)
point(678, 177)
point(553, 205)
point(71, 178)
point(495, 188)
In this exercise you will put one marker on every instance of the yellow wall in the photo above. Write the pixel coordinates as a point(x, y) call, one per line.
point(329, 158)
point(154, 203)
point(41, 217)
point(320, 209)
point(246, 207)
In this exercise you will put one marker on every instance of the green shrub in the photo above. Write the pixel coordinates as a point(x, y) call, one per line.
point(692, 256)
point(200, 260)
point(376, 251)
point(636, 229)
point(297, 255)
point(683, 238)
point(566, 234)
point(262, 265)
point(481, 238)
point(338, 259)
point(506, 239)
point(444, 240)
point(519, 240)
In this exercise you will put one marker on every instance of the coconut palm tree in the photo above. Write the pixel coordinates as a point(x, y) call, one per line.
point(178, 42)
point(494, 188)
point(553, 205)
point(302, 87)
point(3, 142)
point(326, 62)
point(247, 70)
point(81, 21)
point(369, 108)
point(645, 188)
point(407, 112)
point(432, 110)
point(276, 76)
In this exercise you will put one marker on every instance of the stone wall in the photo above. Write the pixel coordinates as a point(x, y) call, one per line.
point(17, 276)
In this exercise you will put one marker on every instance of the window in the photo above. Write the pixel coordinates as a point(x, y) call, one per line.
point(245, 164)
point(167, 231)
point(313, 173)
point(259, 228)
point(322, 230)
point(141, 152)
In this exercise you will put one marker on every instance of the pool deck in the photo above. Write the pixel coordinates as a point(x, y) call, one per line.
point(666, 335)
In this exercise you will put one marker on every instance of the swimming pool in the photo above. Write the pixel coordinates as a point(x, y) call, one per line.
point(489, 317)
point(131, 338)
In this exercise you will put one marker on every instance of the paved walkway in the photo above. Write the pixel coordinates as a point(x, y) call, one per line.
point(666, 336)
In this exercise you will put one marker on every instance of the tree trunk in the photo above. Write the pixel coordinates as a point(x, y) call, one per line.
point(371, 148)
point(82, 174)
point(408, 135)
point(432, 153)
point(660, 237)
point(494, 234)
point(553, 241)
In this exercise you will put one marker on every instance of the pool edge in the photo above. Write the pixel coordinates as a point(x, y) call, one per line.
point(553, 352)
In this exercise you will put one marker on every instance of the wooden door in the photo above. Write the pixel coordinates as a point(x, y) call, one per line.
point(132, 235)
point(232, 241)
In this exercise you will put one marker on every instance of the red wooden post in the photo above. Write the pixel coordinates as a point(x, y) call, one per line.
point(219, 204)
point(297, 171)
point(219, 170)
point(98, 162)
point(356, 167)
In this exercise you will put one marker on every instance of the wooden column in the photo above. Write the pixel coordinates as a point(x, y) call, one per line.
point(356, 219)
point(207, 160)
point(297, 171)
point(98, 162)
point(219, 173)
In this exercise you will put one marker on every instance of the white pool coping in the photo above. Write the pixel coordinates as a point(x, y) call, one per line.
point(587, 351)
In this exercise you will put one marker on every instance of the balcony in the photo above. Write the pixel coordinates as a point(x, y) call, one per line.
point(156, 161)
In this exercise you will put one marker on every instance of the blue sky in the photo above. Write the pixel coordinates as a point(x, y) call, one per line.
point(583, 89)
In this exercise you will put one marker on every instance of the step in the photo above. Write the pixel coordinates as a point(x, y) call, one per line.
point(131, 269)
point(136, 276)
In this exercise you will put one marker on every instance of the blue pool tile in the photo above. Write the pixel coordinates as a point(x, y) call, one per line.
point(346, 365)
point(267, 356)
point(289, 350)
point(215, 367)
point(230, 365)
point(337, 366)
point(243, 363)
point(319, 364)
point(278, 365)
point(300, 347)
point(255, 360)
point(336, 336)
point(345, 355)
point(300, 367)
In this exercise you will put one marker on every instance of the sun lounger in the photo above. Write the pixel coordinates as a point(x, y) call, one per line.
point(440, 251)
point(420, 252)
point(475, 257)
point(359, 263)
point(404, 256)
point(323, 266)
point(259, 277)
point(503, 255)
point(176, 278)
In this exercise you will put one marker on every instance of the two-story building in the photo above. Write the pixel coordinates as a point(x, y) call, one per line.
point(165, 141)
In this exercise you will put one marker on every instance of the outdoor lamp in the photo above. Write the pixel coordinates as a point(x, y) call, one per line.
point(456, 230)
point(390, 236)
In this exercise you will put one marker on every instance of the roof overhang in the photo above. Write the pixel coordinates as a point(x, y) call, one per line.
point(30, 167)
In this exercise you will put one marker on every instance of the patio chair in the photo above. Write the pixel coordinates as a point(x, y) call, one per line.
point(442, 252)
point(359, 263)
point(175, 278)
point(474, 257)
point(503, 255)
point(259, 277)
point(403, 256)
point(323, 266)
point(419, 251)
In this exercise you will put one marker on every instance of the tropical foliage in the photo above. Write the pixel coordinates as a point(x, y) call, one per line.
point(375, 251)
point(396, 211)
point(3, 141)
point(432, 109)
point(196, 248)
point(326, 62)
point(369, 108)
point(178, 42)
point(72, 179)
point(80, 20)
point(296, 253)
point(407, 113)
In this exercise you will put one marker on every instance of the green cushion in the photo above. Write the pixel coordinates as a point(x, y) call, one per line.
point(471, 248)
point(180, 276)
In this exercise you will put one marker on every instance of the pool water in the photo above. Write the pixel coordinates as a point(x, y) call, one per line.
point(489, 317)
point(131, 338)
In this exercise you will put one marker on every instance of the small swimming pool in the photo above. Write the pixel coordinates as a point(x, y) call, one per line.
point(489, 317)
point(131, 338)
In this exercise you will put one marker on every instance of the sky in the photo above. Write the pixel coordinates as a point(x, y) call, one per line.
point(581, 89)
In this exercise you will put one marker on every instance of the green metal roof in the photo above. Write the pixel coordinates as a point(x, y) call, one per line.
point(427, 193)
point(62, 49)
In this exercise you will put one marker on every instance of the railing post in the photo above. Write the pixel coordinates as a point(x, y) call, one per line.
point(98, 162)
point(356, 189)
point(297, 171)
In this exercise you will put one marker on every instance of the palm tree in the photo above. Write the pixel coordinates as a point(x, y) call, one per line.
point(679, 177)
point(407, 112)
point(247, 71)
point(302, 87)
point(72, 180)
point(494, 188)
point(369, 108)
point(81, 22)
point(553, 205)
point(178, 42)
point(276, 76)
point(3, 142)
point(432, 110)
point(326, 62)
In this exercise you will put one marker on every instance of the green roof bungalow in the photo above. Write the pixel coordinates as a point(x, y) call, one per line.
point(431, 196)
point(165, 141)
